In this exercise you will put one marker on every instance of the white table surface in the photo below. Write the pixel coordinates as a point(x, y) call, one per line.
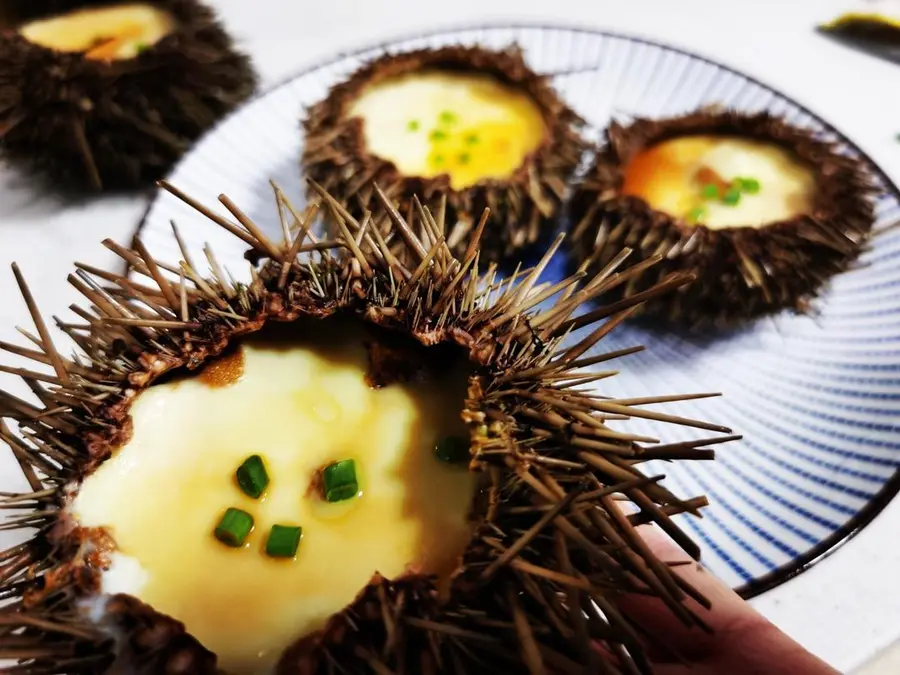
point(847, 608)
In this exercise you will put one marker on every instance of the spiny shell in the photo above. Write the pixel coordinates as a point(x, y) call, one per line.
point(94, 125)
point(523, 207)
point(742, 272)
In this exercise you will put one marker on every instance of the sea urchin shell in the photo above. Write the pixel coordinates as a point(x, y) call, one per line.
point(743, 272)
point(523, 205)
point(115, 123)
point(536, 588)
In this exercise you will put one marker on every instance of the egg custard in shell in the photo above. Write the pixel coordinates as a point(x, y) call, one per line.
point(475, 126)
point(349, 463)
point(100, 95)
point(761, 212)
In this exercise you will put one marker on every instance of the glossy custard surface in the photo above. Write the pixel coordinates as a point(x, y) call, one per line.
point(691, 177)
point(102, 33)
point(300, 404)
point(471, 127)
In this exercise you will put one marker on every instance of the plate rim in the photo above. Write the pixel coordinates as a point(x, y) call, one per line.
point(889, 490)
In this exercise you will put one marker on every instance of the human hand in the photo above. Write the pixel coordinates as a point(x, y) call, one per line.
point(743, 642)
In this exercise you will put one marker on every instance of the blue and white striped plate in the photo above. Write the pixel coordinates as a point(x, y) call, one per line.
point(817, 399)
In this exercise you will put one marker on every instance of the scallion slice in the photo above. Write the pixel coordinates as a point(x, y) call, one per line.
point(252, 476)
point(731, 197)
point(749, 185)
point(339, 481)
point(452, 449)
point(710, 191)
point(233, 527)
point(283, 541)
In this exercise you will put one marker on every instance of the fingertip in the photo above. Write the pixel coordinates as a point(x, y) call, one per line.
point(714, 604)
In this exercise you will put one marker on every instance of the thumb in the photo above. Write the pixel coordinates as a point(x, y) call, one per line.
point(742, 641)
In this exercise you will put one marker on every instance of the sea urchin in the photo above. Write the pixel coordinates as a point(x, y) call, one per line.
point(763, 213)
point(227, 373)
point(100, 95)
point(474, 125)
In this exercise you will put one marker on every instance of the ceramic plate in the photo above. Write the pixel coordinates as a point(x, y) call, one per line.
point(816, 398)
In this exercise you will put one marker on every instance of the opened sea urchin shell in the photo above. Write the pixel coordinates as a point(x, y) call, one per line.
point(111, 111)
point(454, 131)
point(551, 547)
point(743, 271)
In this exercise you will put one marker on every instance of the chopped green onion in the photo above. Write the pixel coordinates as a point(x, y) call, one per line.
point(697, 214)
point(452, 449)
point(252, 477)
point(749, 185)
point(731, 197)
point(413, 125)
point(464, 157)
point(710, 191)
point(340, 481)
point(471, 139)
point(142, 47)
point(438, 159)
point(234, 527)
point(283, 541)
point(437, 135)
point(447, 117)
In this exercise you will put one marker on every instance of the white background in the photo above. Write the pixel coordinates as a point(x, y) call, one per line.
point(847, 608)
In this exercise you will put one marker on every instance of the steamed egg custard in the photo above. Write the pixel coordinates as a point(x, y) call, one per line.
point(344, 480)
point(469, 126)
point(721, 181)
point(102, 33)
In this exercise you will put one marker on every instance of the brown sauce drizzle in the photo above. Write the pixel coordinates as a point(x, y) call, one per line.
point(225, 370)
